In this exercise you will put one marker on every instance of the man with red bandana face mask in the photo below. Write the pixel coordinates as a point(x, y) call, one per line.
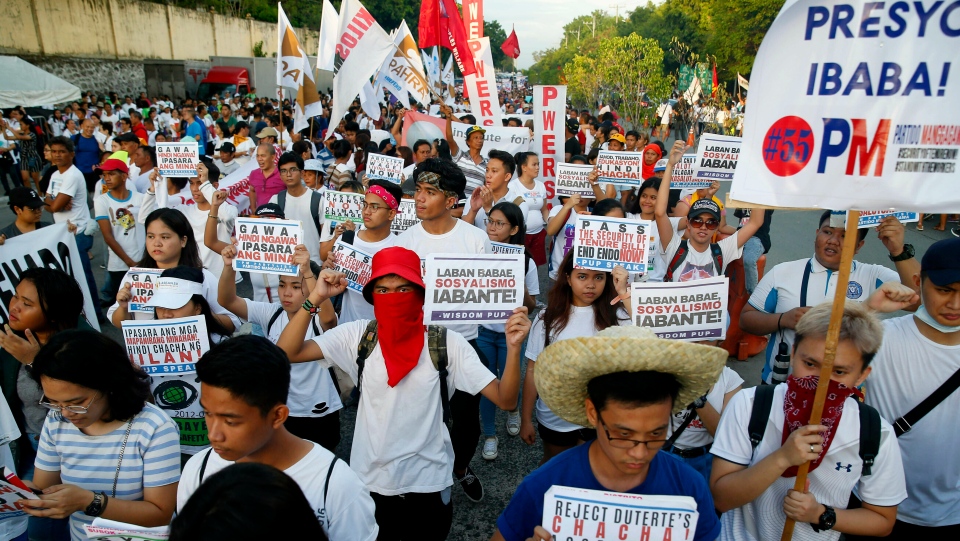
point(402, 450)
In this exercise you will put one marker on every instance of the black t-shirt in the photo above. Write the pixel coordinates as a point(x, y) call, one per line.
point(764, 232)
point(572, 146)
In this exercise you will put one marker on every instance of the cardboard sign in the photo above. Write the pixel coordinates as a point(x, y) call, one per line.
point(354, 263)
point(141, 282)
point(624, 168)
point(177, 159)
point(267, 246)
point(872, 218)
point(572, 179)
point(385, 168)
point(503, 248)
point(472, 288)
point(717, 157)
point(594, 515)
point(688, 311)
point(838, 122)
point(406, 216)
point(111, 530)
point(682, 178)
point(339, 207)
point(12, 490)
point(168, 350)
point(549, 110)
point(602, 243)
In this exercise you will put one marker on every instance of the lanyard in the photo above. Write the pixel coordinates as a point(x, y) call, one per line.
point(805, 282)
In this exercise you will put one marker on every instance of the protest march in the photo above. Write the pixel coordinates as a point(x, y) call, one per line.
point(384, 273)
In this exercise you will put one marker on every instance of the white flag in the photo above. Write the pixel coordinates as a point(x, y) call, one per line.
point(402, 71)
point(362, 45)
point(294, 71)
point(369, 102)
point(327, 49)
point(744, 83)
point(435, 70)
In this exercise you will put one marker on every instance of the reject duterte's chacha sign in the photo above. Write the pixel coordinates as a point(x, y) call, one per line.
point(853, 106)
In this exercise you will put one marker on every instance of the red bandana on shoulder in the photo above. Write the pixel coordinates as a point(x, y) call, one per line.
point(798, 404)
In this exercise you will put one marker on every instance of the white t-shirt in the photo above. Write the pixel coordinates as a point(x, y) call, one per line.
point(831, 483)
point(247, 146)
point(535, 198)
point(564, 240)
point(354, 306)
point(312, 392)
point(346, 511)
point(581, 323)
point(696, 435)
point(298, 208)
point(114, 118)
point(698, 265)
point(780, 289)
point(400, 443)
point(71, 183)
point(127, 230)
point(141, 182)
point(532, 280)
point(227, 168)
point(99, 190)
point(509, 197)
point(906, 370)
point(462, 239)
point(656, 266)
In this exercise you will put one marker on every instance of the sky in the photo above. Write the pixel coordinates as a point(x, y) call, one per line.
point(539, 23)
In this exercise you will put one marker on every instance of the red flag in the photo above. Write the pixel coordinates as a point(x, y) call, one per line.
point(511, 46)
point(713, 92)
point(440, 24)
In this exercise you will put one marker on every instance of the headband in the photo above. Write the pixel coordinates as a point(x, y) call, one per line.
point(382, 193)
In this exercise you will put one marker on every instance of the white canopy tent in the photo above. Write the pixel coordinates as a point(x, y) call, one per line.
point(24, 84)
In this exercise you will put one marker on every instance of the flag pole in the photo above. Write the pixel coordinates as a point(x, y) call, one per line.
point(830, 348)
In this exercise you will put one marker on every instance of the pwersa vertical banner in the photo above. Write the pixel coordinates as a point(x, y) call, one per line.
point(549, 118)
point(472, 288)
point(853, 105)
point(690, 311)
point(482, 87)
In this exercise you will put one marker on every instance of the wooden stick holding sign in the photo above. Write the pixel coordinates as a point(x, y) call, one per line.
point(830, 348)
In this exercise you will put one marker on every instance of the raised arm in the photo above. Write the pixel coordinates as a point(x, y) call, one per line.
point(503, 392)
point(663, 195)
point(227, 287)
point(557, 222)
point(329, 284)
point(448, 112)
point(756, 221)
point(210, 239)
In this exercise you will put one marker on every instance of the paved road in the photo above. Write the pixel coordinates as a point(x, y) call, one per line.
point(792, 234)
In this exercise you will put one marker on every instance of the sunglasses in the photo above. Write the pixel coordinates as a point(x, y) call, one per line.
point(699, 223)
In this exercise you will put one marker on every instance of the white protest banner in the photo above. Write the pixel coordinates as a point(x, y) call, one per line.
point(504, 248)
point(354, 263)
point(266, 246)
point(237, 185)
point(406, 216)
point(572, 179)
point(691, 311)
point(341, 207)
point(594, 515)
point(12, 490)
point(482, 86)
point(837, 121)
point(472, 288)
point(52, 247)
point(682, 178)
point(872, 218)
point(402, 72)
point(717, 157)
point(549, 110)
point(601, 243)
point(177, 159)
point(168, 350)
point(384, 167)
point(141, 282)
point(111, 530)
point(624, 168)
point(418, 126)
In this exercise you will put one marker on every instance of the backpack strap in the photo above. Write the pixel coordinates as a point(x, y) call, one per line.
point(675, 262)
point(326, 484)
point(869, 436)
point(315, 200)
point(518, 200)
point(905, 423)
point(203, 465)
point(282, 200)
point(274, 317)
point(437, 345)
point(762, 403)
point(717, 253)
point(367, 342)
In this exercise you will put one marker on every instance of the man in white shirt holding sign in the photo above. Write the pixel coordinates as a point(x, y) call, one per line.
point(299, 203)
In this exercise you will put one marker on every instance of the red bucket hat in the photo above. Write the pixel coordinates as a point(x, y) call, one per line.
point(394, 260)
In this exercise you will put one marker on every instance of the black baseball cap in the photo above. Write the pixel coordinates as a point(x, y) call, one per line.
point(127, 137)
point(227, 147)
point(941, 263)
point(24, 197)
point(704, 206)
point(270, 210)
point(573, 125)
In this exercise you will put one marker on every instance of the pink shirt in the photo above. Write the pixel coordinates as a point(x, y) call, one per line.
point(266, 187)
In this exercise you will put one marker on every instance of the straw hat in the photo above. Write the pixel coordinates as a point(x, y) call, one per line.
point(564, 368)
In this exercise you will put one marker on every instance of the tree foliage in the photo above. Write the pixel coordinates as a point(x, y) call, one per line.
point(497, 35)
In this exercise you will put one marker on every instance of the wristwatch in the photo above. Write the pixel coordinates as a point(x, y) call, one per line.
point(907, 253)
point(827, 520)
point(97, 506)
point(700, 402)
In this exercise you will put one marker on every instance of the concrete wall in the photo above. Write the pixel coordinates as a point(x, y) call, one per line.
point(125, 77)
point(128, 29)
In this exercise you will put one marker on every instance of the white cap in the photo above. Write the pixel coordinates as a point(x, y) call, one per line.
point(173, 293)
point(313, 165)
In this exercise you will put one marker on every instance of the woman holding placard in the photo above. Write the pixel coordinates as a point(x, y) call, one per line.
point(505, 226)
point(581, 303)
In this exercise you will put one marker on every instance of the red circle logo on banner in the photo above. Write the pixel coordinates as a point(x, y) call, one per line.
point(788, 146)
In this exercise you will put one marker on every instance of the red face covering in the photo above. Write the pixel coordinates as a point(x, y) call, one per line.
point(399, 331)
point(647, 170)
point(798, 403)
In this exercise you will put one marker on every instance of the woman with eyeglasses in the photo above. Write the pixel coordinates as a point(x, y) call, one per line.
point(105, 451)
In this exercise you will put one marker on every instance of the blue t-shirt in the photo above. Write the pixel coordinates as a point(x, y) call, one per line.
point(197, 130)
point(667, 476)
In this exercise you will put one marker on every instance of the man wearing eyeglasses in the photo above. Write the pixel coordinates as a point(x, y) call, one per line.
point(299, 203)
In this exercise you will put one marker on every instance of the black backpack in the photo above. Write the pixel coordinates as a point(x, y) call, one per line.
point(436, 343)
point(316, 199)
point(681, 254)
point(869, 425)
